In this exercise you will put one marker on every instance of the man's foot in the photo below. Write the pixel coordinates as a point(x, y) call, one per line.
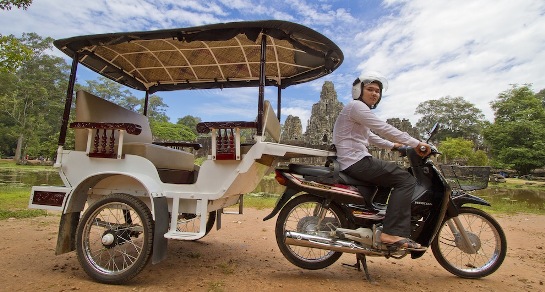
point(398, 242)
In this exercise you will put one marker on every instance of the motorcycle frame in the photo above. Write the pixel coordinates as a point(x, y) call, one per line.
point(429, 180)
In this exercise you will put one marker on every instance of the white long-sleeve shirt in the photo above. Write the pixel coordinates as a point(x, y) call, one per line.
point(352, 134)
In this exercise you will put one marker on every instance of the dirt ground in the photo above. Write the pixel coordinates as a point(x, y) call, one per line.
point(243, 256)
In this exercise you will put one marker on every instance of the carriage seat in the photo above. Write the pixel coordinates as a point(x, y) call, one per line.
point(90, 108)
point(160, 156)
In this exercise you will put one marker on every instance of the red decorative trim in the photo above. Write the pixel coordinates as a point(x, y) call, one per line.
point(48, 198)
point(132, 129)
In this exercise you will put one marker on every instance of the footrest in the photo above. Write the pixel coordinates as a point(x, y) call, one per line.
point(184, 235)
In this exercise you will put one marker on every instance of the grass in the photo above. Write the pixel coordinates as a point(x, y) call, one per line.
point(10, 164)
point(515, 183)
point(14, 203)
point(14, 199)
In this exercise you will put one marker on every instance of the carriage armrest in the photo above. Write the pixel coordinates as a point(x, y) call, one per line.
point(225, 138)
point(103, 144)
point(130, 128)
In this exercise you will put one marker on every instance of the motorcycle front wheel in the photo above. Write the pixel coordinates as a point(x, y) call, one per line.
point(487, 239)
point(305, 214)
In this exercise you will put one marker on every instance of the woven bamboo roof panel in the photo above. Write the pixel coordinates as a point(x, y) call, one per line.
point(210, 56)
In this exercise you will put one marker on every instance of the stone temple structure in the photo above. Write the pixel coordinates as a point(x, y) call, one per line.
point(292, 129)
point(323, 117)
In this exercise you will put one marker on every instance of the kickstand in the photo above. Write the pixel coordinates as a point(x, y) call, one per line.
point(361, 260)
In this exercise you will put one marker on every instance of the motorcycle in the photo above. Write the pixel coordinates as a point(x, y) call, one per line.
point(336, 214)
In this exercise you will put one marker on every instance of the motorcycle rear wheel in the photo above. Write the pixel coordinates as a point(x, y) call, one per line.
point(486, 236)
point(299, 215)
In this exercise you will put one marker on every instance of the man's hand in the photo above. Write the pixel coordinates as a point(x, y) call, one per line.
point(423, 149)
point(396, 146)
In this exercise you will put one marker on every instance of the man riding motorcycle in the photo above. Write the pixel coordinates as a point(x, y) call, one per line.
point(355, 129)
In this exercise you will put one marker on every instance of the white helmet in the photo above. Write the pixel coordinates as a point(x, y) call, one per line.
point(367, 78)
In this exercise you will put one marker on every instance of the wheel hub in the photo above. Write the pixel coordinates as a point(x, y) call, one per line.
point(463, 246)
point(307, 224)
point(111, 238)
point(108, 239)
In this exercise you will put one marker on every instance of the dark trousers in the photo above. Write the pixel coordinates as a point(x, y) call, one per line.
point(388, 174)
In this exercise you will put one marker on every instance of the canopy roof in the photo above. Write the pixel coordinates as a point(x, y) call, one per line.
point(211, 56)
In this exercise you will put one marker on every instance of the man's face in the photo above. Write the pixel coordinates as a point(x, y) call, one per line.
point(371, 94)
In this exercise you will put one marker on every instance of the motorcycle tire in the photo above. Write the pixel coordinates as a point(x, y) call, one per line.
point(486, 237)
point(299, 215)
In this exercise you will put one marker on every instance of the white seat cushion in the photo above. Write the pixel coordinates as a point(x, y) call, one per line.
point(160, 156)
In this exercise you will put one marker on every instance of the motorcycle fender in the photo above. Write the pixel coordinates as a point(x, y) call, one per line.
point(469, 199)
point(286, 196)
point(459, 201)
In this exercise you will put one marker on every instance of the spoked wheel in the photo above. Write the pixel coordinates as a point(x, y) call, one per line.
point(114, 238)
point(479, 253)
point(305, 214)
point(188, 222)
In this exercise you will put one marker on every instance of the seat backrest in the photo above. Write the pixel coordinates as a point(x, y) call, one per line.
point(91, 108)
point(271, 124)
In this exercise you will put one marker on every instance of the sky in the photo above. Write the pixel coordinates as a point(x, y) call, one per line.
point(427, 49)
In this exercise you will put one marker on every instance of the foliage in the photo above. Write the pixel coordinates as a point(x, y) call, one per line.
point(191, 122)
point(8, 4)
point(166, 131)
point(32, 99)
point(156, 109)
point(461, 150)
point(479, 158)
point(458, 118)
point(114, 92)
point(517, 136)
point(12, 53)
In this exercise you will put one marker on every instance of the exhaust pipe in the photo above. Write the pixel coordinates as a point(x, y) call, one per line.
point(312, 241)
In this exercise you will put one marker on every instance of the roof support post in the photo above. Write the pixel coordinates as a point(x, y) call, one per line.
point(262, 72)
point(279, 103)
point(146, 101)
point(68, 101)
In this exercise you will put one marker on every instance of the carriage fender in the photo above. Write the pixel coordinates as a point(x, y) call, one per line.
point(66, 240)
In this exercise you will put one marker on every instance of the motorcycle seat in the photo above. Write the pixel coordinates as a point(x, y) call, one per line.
point(325, 172)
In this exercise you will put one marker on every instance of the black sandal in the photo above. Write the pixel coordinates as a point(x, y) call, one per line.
point(411, 245)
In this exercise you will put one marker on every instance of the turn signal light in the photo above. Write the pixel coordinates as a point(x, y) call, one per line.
point(280, 178)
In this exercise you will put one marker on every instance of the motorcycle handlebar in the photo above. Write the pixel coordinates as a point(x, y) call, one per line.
point(403, 150)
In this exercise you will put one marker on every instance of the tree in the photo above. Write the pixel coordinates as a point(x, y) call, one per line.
point(459, 150)
point(517, 136)
point(166, 131)
point(190, 122)
point(112, 91)
point(33, 97)
point(12, 53)
point(8, 4)
point(156, 109)
point(457, 117)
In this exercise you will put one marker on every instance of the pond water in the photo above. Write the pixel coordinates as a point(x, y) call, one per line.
point(29, 177)
point(535, 199)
